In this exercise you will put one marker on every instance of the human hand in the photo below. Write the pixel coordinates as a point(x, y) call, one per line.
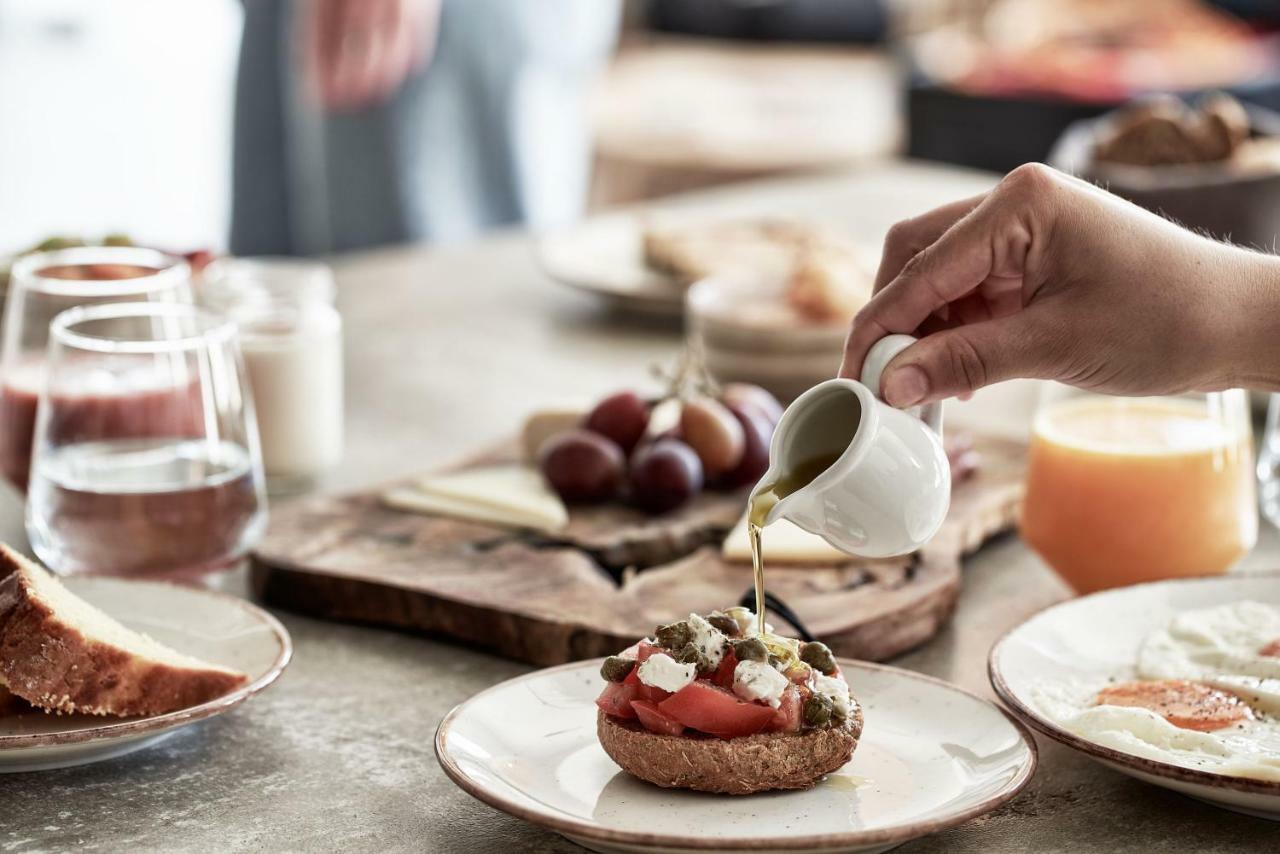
point(358, 52)
point(1050, 277)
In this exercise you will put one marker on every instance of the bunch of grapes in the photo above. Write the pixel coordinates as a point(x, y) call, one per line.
point(719, 441)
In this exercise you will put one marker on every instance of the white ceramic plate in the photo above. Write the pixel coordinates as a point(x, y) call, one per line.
point(604, 256)
point(931, 757)
point(216, 627)
point(1097, 637)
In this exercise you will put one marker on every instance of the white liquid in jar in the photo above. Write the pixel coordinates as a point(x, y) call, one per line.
point(294, 363)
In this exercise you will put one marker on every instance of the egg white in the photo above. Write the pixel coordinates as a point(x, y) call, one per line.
point(1215, 646)
point(1211, 642)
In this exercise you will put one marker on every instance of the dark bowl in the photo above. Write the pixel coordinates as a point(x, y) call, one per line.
point(1243, 207)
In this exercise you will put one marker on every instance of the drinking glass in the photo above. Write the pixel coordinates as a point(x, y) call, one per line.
point(43, 284)
point(146, 455)
point(1124, 490)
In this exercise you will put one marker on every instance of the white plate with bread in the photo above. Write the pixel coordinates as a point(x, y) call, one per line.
point(93, 667)
point(647, 263)
point(930, 756)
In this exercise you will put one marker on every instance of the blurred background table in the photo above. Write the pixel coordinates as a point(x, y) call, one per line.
point(338, 755)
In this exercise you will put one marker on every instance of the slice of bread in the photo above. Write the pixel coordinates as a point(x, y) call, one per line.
point(61, 654)
point(736, 766)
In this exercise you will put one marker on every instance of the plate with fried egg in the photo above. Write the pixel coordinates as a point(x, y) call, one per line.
point(1176, 683)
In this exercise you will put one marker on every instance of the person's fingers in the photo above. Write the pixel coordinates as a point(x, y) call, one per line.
point(393, 57)
point(962, 360)
point(908, 237)
point(361, 42)
point(316, 48)
point(987, 248)
point(953, 266)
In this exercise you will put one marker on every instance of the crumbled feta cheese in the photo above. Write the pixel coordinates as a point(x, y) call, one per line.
point(834, 689)
point(759, 680)
point(743, 617)
point(708, 640)
point(662, 671)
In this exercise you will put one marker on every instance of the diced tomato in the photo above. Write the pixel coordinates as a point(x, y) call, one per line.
point(724, 673)
point(654, 719)
point(786, 718)
point(715, 711)
point(650, 693)
point(615, 700)
point(640, 652)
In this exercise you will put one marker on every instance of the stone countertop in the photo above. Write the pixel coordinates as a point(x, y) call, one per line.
point(447, 347)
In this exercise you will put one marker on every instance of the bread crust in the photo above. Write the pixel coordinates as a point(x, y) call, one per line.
point(738, 766)
point(53, 665)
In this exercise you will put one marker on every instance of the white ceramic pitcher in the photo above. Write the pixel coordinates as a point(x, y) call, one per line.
point(890, 488)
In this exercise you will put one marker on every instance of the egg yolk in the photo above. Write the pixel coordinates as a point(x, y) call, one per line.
point(1184, 704)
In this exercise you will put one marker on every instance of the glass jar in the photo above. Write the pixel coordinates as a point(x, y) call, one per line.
point(291, 336)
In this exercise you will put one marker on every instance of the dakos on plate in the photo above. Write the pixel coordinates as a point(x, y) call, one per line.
point(710, 703)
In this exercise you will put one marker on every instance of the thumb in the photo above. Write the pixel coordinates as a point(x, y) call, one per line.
point(962, 360)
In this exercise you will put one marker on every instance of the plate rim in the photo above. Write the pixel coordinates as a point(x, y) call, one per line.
point(886, 836)
point(670, 302)
point(119, 728)
point(1141, 764)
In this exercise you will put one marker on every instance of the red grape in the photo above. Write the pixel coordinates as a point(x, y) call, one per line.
point(621, 417)
point(714, 433)
point(582, 466)
point(665, 475)
point(757, 432)
point(746, 393)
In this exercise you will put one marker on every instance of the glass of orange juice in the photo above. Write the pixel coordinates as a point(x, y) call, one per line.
point(1122, 490)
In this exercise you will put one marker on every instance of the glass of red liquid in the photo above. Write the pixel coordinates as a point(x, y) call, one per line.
point(41, 286)
point(146, 460)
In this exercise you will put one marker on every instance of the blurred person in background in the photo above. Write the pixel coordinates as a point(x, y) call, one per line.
point(362, 123)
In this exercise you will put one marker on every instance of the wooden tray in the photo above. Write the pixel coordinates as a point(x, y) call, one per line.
point(612, 575)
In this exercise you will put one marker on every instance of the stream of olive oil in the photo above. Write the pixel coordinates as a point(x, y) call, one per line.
point(762, 501)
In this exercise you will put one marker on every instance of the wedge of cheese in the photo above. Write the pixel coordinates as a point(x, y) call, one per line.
point(512, 495)
point(784, 543)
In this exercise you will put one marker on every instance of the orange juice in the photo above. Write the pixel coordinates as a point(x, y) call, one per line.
point(1123, 490)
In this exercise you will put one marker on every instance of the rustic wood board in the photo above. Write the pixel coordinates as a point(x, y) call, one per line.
point(612, 575)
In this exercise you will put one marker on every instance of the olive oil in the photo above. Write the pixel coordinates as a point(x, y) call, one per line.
point(763, 500)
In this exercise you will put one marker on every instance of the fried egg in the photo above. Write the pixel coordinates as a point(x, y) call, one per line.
point(1204, 693)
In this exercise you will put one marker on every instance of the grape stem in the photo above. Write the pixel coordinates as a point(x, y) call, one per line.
point(689, 377)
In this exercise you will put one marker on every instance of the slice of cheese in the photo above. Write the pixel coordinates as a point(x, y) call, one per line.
point(784, 543)
point(512, 495)
point(546, 424)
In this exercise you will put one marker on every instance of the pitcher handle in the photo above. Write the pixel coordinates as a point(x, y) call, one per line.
point(881, 353)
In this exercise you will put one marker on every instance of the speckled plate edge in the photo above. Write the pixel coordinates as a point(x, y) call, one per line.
point(132, 727)
point(887, 836)
point(1141, 764)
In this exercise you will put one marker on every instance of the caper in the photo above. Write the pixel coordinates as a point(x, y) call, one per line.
point(52, 243)
point(616, 668)
point(687, 654)
point(817, 711)
point(819, 657)
point(721, 621)
point(674, 635)
point(750, 649)
point(117, 240)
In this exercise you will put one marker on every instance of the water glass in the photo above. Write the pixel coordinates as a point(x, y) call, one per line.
point(146, 459)
point(44, 284)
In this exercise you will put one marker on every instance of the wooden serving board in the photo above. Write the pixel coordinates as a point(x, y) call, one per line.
point(612, 574)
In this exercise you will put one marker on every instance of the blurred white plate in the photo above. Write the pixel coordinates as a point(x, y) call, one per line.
point(931, 757)
point(604, 257)
point(215, 627)
point(1097, 637)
